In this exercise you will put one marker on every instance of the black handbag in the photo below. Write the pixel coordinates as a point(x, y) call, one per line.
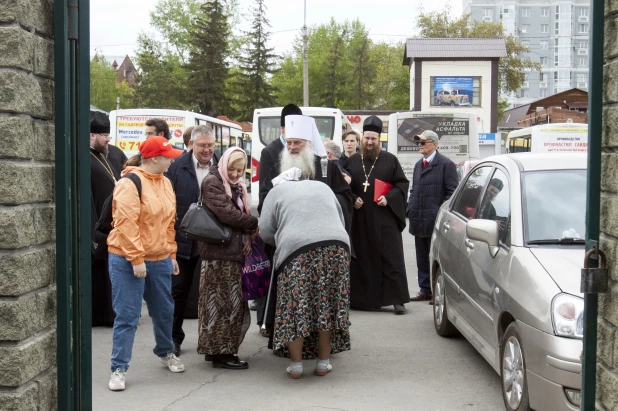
point(199, 223)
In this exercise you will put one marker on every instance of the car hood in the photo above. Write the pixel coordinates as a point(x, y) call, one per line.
point(564, 265)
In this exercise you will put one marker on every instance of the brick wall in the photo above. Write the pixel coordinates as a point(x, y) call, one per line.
point(607, 341)
point(27, 228)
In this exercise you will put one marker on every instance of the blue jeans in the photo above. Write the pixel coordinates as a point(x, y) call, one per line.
point(127, 294)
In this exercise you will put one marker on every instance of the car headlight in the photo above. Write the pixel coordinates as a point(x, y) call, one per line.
point(567, 316)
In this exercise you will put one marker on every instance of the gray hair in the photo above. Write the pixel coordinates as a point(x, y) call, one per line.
point(202, 130)
point(333, 147)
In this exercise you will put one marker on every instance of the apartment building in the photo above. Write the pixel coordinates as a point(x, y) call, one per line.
point(557, 33)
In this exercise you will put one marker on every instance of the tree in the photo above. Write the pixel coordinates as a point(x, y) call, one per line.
point(162, 80)
point(511, 68)
point(104, 86)
point(208, 68)
point(346, 70)
point(257, 64)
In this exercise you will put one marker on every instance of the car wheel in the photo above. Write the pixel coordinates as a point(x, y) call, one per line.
point(452, 103)
point(444, 327)
point(513, 371)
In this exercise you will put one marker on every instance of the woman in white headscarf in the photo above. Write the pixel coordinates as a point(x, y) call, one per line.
point(304, 220)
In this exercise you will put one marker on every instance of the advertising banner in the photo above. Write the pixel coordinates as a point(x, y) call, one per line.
point(453, 132)
point(452, 91)
point(131, 130)
point(560, 140)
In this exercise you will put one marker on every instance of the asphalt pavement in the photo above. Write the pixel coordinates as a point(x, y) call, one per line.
point(396, 363)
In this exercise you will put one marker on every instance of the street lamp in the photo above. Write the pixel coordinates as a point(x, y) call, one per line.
point(305, 62)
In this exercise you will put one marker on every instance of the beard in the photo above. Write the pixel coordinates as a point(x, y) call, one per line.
point(305, 160)
point(371, 154)
point(100, 148)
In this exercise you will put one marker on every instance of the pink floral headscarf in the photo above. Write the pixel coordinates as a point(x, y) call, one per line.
point(243, 201)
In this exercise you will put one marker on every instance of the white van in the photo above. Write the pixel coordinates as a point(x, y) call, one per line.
point(457, 132)
point(128, 127)
point(267, 127)
point(549, 138)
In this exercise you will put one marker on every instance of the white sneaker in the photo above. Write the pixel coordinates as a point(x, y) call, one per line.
point(173, 363)
point(116, 381)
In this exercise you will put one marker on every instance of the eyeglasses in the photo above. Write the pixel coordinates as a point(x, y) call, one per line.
point(204, 146)
point(422, 143)
point(106, 136)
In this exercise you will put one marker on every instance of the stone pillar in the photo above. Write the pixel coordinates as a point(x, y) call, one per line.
point(27, 227)
point(607, 343)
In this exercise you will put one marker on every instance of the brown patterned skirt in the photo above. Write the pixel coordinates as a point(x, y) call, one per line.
point(313, 294)
point(224, 317)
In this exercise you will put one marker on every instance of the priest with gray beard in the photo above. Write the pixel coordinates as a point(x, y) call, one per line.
point(304, 150)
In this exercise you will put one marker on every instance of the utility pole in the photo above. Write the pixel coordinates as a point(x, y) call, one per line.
point(305, 62)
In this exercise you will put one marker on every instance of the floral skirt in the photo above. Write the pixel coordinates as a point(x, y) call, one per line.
point(224, 317)
point(313, 294)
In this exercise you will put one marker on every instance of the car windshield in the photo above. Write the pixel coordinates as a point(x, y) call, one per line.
point(555, 206)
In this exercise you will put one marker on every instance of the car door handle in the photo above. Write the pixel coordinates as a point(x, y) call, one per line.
point(469, 243)
point(446, 226)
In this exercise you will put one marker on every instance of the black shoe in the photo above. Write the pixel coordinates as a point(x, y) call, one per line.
point(177, 349)
point(229, 362)
point(207, 357)
point(265, 332)
point(399, 309)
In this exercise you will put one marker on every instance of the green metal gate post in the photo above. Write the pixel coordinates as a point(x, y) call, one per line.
point(72, 114)
point(595, 139)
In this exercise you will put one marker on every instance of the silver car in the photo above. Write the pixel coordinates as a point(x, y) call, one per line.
point(506, 256)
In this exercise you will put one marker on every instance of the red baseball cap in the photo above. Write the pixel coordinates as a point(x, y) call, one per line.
point(158, 146)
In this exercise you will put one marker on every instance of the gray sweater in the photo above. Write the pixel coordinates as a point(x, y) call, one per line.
point(297, 214)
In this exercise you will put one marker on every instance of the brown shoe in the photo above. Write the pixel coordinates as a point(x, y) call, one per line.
point(422, 297)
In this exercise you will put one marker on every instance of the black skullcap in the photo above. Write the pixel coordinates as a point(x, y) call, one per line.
point(496, 183)
point(373, 123)
point(289, 109)
point(99, 123)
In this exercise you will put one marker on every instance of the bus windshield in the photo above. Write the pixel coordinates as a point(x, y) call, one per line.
point(270, 128)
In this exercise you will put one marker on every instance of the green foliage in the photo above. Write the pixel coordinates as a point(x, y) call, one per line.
point(346, 70)
point(511, 68)
point(208, 68)
point(251, 82)
point(104, 86)
point(162, 80)
point(173, 19)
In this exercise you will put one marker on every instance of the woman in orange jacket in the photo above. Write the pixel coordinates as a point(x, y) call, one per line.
point(142, 256)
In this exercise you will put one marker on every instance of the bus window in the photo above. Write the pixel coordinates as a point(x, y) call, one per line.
point(270, 128)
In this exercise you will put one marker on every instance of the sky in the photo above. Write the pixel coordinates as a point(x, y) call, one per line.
point(115, 24)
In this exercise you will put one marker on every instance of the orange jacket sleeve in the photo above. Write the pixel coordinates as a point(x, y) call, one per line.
point(126, 207)
point(171, 232)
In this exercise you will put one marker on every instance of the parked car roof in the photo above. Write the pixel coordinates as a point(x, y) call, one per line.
point(544, 161)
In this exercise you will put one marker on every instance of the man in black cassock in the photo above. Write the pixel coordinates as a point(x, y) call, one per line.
point(103, 176)
point(378, 273)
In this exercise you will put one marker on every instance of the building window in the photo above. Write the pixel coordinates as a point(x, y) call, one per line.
point(582, 45)
point(544, 28)
point(544, 11)
point(583, 61)
point(525, 28)
point(544, 44)
point(487, 12)
point(582, 77)
point(525, 12)
point(544, 61)
point(583, 12)
point(543, 92)
point(582, 28)
point(455, 91)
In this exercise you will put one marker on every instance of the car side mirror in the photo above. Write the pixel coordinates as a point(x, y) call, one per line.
point(485, 231)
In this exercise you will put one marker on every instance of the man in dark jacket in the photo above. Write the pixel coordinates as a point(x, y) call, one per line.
point(434, 182)
point(186, 175)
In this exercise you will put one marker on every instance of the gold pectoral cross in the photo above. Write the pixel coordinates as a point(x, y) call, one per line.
point(366, 184)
